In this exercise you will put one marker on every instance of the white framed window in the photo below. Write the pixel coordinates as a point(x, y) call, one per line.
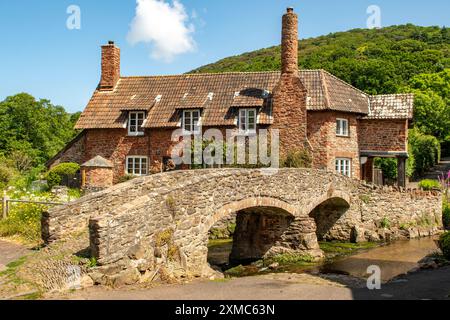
point(344, 166)
point(137, 166)
point(191, 121)
point(342, 127)
point(247, 121)
point(135, 122)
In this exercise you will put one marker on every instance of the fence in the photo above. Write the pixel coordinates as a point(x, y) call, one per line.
point(6, 201)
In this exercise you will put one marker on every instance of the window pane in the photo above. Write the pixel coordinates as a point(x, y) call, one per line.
point(345, 128)
point(144, 166)
point(196, 115)
point(187, 121)
point(195, 121)
point(242, 123)
point(338, 127)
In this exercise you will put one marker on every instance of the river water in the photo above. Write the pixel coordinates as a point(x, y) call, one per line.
point(393, 259)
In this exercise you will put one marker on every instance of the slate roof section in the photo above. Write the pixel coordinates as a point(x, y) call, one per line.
point(98, 162)
point(391, 106)
point(220, 95)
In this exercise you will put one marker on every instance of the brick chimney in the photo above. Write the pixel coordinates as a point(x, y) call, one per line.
point(110, 66)
point(289, 96)
point(289, 42)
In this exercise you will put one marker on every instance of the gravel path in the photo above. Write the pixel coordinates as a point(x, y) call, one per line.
point(10, 252)
point(428, 284)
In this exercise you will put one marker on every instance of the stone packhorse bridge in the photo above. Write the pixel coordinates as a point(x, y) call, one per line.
point(161, 222)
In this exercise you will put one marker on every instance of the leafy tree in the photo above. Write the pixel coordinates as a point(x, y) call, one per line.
point(432, 103)
point(33, 129)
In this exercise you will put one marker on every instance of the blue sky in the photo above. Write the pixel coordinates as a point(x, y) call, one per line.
point(41, 56)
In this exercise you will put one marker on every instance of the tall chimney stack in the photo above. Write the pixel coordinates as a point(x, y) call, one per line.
point(289, 111)
point(289, 43)
point(110, 66)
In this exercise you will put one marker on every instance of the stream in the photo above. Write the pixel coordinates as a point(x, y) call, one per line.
point(394, 259)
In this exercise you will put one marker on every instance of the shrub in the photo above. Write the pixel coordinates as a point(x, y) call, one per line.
point(388, 166)
point(425, 149)
point(297, 159)
point(429, 184)
point(446, 215)
point(63, 172)
point(5, 175)
point(24, 220)
point(385, 223)
point(444, 244)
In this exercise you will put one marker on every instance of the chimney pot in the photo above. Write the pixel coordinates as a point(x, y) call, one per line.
point(111, 42)
point(290, 9)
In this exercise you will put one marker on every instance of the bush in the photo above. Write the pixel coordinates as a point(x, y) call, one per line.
point(425, 149)
point(5, 175)
point(63, 172)
point(429, 184)
point(24, 220)
point(446, 215)
point(444, 244)
point(388, 166)
point(297, 159)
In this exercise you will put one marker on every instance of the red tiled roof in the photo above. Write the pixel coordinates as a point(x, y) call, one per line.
point(218, 95)
point(391, 106)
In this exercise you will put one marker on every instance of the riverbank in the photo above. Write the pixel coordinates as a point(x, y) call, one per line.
point(424, 284)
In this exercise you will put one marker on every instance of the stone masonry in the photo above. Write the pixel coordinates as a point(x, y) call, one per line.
point(161, 222)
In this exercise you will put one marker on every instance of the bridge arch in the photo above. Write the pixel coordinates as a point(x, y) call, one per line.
point(260, 225)
point(251, 202)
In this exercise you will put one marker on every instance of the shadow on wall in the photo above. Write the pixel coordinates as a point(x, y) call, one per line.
point(327, 214)
point(257, 231)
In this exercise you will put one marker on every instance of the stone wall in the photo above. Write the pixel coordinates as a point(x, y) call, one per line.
point(162, 221)
point(383, 135)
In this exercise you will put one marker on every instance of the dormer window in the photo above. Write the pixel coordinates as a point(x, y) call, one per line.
point(135, 122)
point(247, 121)
point(342, 127)
point(191, 121)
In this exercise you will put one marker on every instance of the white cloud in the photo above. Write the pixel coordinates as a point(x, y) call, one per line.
point(166, 26)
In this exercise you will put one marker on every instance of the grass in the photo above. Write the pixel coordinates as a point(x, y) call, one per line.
point(11, 278)
point(344, 248)
point(289, 258)
point(12, 267)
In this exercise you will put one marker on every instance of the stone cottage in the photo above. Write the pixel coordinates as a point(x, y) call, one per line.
point(128, 123)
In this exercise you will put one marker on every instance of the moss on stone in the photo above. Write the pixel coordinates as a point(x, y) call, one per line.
point(344, 248)
point(290, 258)
point(365, 198)
point(164, 237)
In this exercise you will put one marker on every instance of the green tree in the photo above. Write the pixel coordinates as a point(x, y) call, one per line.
point(33, 129)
